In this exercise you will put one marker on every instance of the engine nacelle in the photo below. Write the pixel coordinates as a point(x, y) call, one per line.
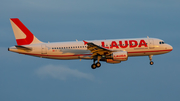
point(112, 61)
point(120, 56)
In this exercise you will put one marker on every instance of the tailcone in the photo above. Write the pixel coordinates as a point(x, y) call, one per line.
point(12, 49)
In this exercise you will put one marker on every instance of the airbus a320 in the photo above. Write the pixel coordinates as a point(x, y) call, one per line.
point(111, 51)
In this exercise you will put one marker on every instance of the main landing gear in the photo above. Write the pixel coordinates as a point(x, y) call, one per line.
point(150, 58)
point(96, 65)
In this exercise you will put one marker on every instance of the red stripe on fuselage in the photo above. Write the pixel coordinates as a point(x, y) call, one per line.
point(88, 54)
point(151, 51)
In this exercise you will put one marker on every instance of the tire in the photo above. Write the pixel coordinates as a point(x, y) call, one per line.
point(93, 66)
point(98, 64)
point(151, 62)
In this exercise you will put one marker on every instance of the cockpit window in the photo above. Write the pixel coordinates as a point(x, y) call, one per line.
point(161, 42)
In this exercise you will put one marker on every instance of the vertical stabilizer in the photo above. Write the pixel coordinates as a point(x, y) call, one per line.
point(22, 34)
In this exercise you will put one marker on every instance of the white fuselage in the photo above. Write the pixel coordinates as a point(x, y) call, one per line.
point(110, 51)
point(78, 49)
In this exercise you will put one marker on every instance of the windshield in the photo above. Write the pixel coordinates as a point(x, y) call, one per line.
point(161, 42)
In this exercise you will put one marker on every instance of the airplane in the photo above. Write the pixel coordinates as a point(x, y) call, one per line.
point(110, 51)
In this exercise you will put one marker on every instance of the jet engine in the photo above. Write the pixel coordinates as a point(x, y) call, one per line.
point(117, 57)
point(120, 56)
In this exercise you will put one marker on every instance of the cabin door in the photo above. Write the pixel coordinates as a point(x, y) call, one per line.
point(43, 49)
point(151, 43)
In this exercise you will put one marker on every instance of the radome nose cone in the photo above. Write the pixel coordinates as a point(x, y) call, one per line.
point(170, 47)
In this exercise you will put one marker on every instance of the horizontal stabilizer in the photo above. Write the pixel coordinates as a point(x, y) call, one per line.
point(23, 48)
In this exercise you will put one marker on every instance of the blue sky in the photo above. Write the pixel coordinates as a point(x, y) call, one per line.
point(27, 78)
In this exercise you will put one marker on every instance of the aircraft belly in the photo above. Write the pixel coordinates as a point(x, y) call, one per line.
point(68, 57)
point(61, 57)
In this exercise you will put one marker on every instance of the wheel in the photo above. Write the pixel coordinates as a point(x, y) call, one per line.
point(93, 66)
point(98, 64)
point(151, 62)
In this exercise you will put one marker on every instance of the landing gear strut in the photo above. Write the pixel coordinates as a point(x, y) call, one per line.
point(150, 58)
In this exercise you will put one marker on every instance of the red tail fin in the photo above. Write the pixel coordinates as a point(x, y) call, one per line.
point(22, 34)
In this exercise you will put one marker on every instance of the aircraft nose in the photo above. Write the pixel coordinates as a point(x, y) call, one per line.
point(170, 47)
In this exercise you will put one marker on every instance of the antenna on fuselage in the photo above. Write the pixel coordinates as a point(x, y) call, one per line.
point(76, 40)
point(147, 36)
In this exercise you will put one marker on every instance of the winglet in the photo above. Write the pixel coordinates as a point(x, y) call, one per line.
point(85, 42)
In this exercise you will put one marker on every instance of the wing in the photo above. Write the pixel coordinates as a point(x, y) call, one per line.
point(97, 50)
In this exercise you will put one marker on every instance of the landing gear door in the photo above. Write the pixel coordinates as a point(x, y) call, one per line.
point(43, 49)
point(151, 44)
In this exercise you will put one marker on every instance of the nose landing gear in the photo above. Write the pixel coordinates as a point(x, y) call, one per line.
point(151, 62)
point(150, 58)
